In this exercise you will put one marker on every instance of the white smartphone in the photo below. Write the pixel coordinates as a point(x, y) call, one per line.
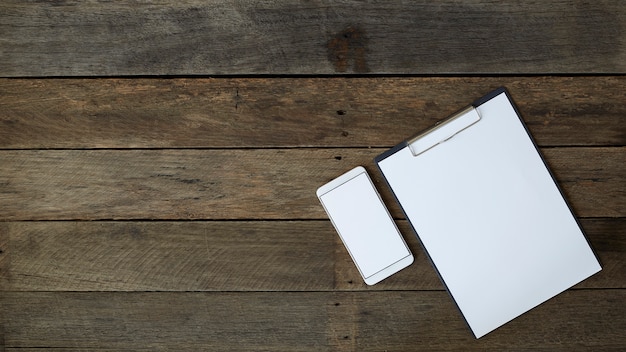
point(365, 225)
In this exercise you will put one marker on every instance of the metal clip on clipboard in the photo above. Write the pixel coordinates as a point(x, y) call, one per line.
point(443, 131)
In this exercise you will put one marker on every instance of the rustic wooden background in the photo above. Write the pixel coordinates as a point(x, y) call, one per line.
point(159, 161)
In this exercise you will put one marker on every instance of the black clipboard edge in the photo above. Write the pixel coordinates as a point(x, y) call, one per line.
point(476, 104)
point(494, 93)
point(390, 152)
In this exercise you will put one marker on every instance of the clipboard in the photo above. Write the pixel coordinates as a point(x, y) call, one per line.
point(489, 213)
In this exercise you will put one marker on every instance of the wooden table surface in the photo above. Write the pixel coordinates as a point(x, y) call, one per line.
point(159, 161)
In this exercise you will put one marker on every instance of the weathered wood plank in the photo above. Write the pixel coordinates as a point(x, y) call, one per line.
point(348, 321)
point(607, 238)
point(156, 321)
point(239, 184)
point(286, 112)
point(167, 256)
point(418, 321)
point(70, 38)
point(225, 256)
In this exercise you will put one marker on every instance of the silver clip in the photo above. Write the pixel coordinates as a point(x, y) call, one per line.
point(443, 131)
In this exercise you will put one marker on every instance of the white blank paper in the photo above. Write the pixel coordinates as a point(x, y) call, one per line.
point(491, 218)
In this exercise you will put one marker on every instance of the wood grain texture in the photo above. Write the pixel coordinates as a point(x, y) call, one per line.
point(76, 38)
point(240, 184)
point(226, 256)
point(334, 321)
point(168, 256)
point(159, 161)
point(288, 112)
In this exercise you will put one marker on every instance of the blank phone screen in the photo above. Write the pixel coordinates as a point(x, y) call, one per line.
point(364, 225)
